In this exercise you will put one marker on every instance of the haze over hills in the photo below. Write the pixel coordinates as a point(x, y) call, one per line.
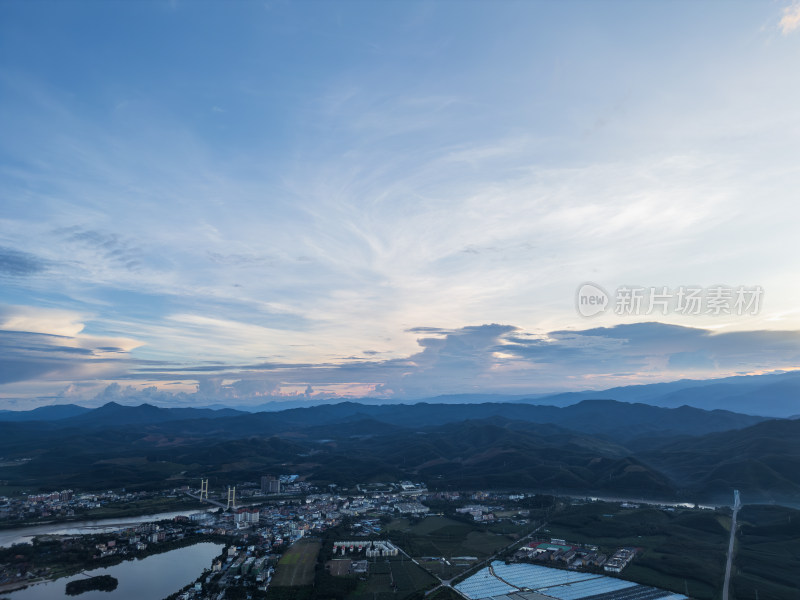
point(764, 457)
point(582, 442)
point(112, 412)
point(772, 394)
point(595, 446)
point(44, 413)
point(769, 395)
point(610, 418)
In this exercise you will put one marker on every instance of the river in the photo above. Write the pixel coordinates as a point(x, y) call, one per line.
point(151, 578)
point(25, 534)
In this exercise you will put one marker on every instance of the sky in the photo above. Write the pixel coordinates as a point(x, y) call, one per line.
point(208, 202)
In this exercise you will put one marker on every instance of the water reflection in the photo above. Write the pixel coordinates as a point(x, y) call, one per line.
point(24, 535)
point(151, 578)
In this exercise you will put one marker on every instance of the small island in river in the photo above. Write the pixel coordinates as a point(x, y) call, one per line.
point(103, 583)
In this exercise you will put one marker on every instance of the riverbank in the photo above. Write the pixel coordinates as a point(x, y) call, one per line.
point(156, 576)
point(42, 551)
point(24, 535)
point(114, 511)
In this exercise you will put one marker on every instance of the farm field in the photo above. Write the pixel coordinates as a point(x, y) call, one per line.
point(681, 550)
point(445, 568)
point(444, 537)
point(392, 579)
point(767, 554)
point(296, 567)
point(339, 567)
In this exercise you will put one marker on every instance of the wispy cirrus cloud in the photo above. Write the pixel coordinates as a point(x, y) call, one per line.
point(281, 223)
point(110, 246)
point(17, 263)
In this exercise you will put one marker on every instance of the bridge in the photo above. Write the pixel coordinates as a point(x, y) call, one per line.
point(209, 500)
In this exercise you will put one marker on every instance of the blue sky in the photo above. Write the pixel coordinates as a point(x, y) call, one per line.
point(243, 201)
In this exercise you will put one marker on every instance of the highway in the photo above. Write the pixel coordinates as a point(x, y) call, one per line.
point(736, 506)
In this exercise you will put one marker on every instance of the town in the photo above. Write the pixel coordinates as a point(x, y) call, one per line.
point(361, 536)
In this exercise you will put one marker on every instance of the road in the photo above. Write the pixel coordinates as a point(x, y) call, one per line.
point(476, 567)
point(737, 504)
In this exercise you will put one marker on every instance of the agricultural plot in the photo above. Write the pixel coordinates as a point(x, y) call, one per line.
point(393, 579)
point(447, 568)
point(296, 567)
point(682, 550)
point(339, 566)
point(443, 537)
point(767, 555)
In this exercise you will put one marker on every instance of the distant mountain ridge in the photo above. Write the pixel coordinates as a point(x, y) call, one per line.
point(594, 446)
point(44, 413)
point(768, 395)
point(113, 413)
point(763, 459)
point(606, 418)
point(771, 395)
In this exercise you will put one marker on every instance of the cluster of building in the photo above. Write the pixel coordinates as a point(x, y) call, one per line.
point(403, 487)
point(244, 517)
point(620, 559)
point(317, 511)
point(559, 552)
point(136, 539)
point(62, 496)
point(264, 531)
point(127, 543)
point(239, 566)
point(412, 508)
point(66, 504)
point(285, 520)
point(270, 485)
point(478, 512)
point(277, 511)
point(242, 566)
point(372, 549)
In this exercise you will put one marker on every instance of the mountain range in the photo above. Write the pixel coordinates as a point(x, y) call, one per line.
point(770, 395)
point(594, 446)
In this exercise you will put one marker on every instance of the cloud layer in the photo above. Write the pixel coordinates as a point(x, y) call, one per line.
point(476, 359)
point(347, 198)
